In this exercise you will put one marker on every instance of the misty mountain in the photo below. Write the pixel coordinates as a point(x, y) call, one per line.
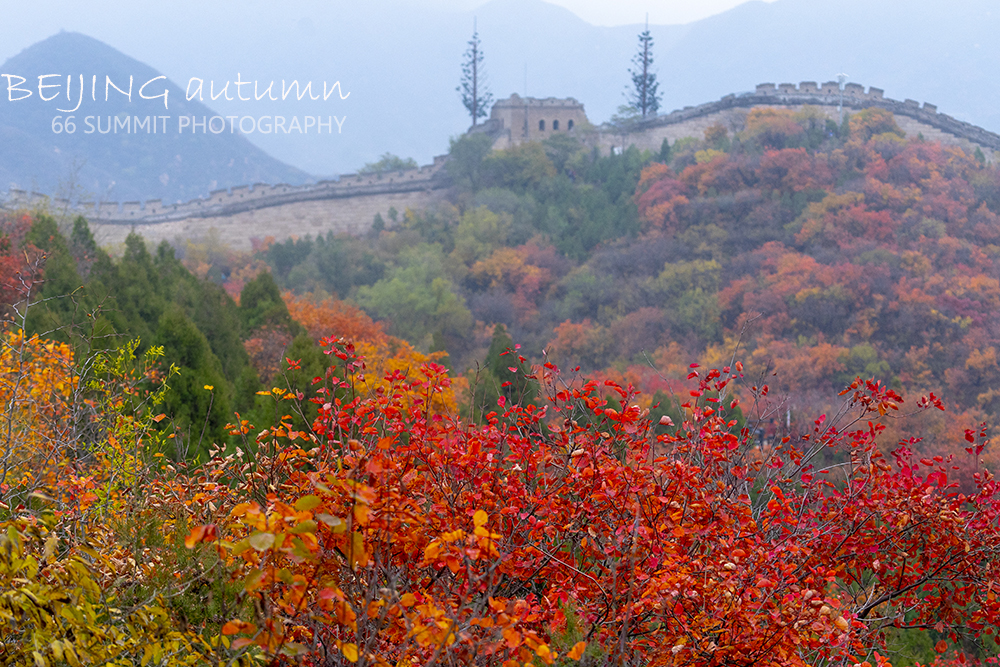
point(400, 64)
point(122, 147)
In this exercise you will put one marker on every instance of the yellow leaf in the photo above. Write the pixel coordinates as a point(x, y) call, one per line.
point(361, 514)
point(480, 518)
point(408, 599)
point(57, 650)
point(70, 655)
point(577, 651)
point(350, 652)
point(51, 544)
point(358, 555)
point(240, 510)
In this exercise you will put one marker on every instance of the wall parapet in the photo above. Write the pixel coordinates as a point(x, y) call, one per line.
point(828, 94)
point(241, 198)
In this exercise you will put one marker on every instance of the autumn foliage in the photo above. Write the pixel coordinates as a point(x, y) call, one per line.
point(390, 531)
point(358, 511)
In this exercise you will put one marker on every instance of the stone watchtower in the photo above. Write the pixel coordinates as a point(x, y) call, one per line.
point(518, 119)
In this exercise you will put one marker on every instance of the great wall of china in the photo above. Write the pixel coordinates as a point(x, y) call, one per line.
point(350, 203)
point(729, 111)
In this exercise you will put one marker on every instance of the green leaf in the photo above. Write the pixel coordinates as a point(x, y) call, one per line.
point(240, 547)
point(334, 522)
point(304, 527)
point(306, 503)
point(261, 541)
point(252, 582)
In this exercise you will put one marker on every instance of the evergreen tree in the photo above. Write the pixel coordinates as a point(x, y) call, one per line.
point(199, 396)
point(643, 96)
point(261, 305)
point(475, 96)
point(496, 379)
point(55, 306)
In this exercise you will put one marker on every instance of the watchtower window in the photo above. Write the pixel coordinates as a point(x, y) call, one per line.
point(541, 126)
point(569, 125)
point(555, 125)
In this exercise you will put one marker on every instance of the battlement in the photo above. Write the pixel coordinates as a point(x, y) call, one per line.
point(516, 101)
point(243, 197)
point(853, 96)
point(829, 89)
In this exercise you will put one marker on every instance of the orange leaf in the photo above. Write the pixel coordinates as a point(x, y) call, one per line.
point(237, 626)
point(577, 651)
point(196, 535)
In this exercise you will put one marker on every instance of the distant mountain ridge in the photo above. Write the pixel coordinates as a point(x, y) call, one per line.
point(106, 158)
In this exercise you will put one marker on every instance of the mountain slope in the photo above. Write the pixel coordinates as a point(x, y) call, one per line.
point(118, 165)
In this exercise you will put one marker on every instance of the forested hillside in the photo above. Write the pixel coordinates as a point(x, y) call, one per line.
point(728, 404)
point(812, 251)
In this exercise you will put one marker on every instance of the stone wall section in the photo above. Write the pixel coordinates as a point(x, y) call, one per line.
point(911, 117)
point(346, 215)
point(240, 199)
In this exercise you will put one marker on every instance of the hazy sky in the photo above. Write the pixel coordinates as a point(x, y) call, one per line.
point(621, 12)
point(27, 23)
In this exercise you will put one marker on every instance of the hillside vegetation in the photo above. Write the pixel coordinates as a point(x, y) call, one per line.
point(814, 251)
point(723, 405)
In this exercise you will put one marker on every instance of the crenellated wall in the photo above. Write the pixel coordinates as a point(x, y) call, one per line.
point(313, 217)
point(221, 203)
point(912, 118)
